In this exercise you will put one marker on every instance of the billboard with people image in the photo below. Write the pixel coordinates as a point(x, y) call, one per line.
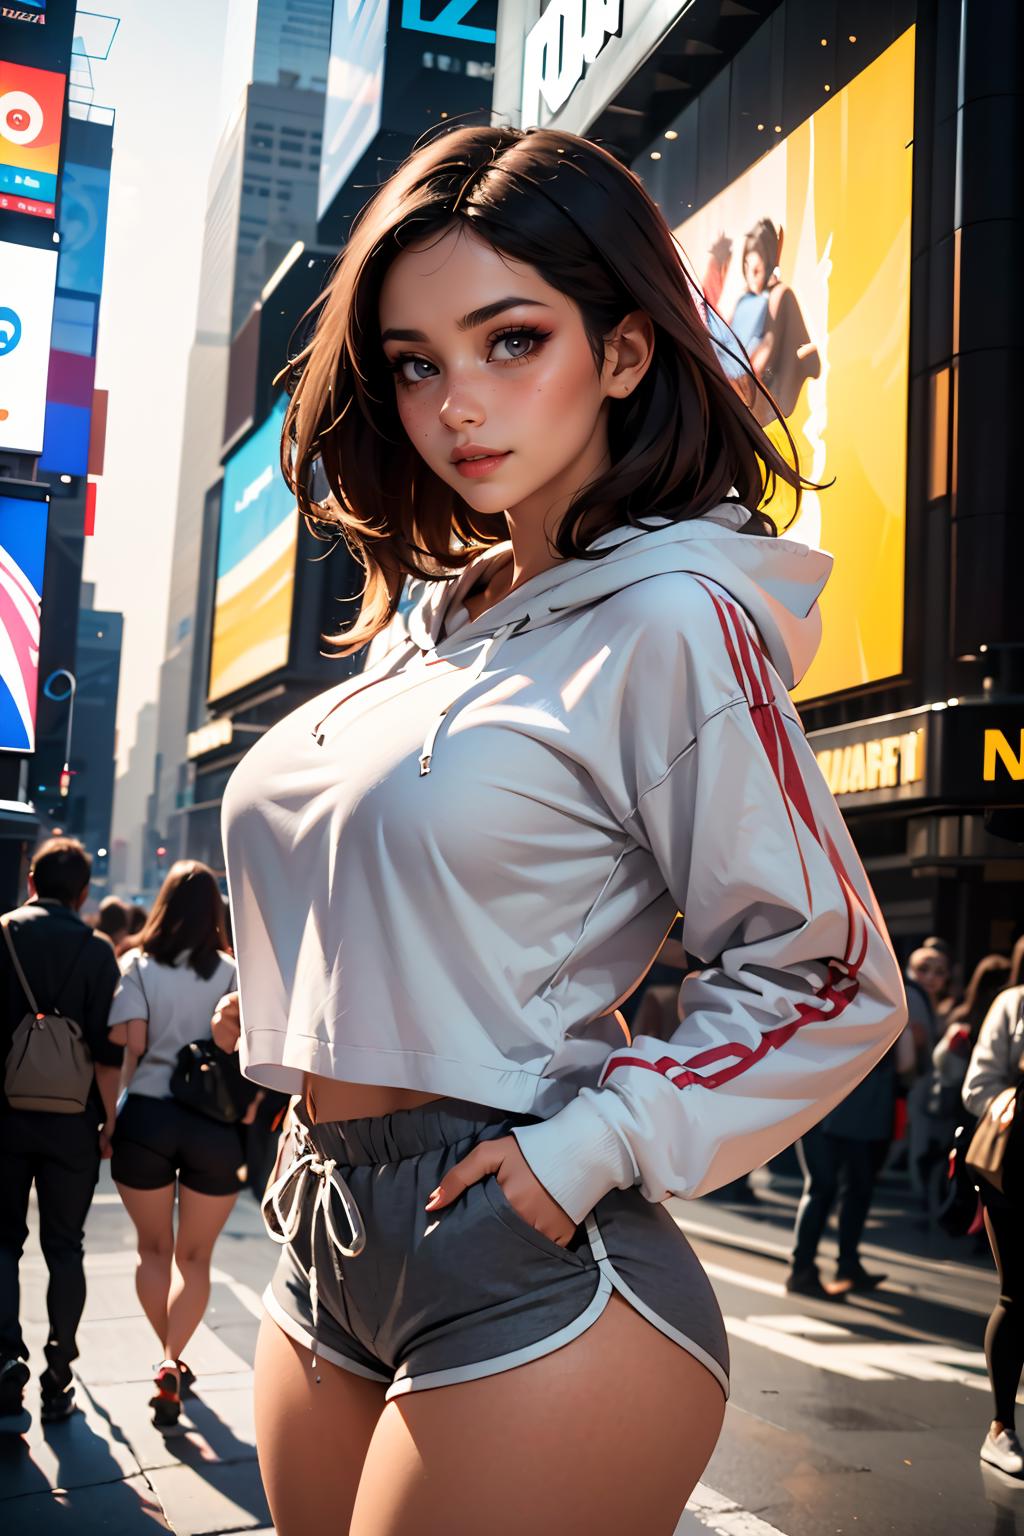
point(805, 263)
point(256, 552)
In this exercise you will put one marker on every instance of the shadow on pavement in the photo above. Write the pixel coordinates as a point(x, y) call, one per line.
point(65, 1477)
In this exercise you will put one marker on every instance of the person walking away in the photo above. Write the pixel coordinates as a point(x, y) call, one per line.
point(65, 963)
point(926, 978)
point(996, 1064)
point(169, 989)
point(842, 1155)
point(114, 921)
point(952, 994)
point(951, 1057)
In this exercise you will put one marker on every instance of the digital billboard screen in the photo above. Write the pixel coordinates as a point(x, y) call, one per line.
point(806, 256)
point(256, 551)
point(27, 279)
point(22, 558)
point(84, 194)
point(31, 111)
point(355, 88)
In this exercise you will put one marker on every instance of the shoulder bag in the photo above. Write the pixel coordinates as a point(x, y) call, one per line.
point(996, 1152)
point(210, 1082)
point(49, 1066)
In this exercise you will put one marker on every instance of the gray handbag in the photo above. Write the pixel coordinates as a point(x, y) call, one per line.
point(49, 1066)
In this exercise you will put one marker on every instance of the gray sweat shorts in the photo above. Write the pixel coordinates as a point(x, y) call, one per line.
point(434, 1298)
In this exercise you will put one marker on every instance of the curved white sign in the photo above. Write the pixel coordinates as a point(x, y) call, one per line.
point(568, 37)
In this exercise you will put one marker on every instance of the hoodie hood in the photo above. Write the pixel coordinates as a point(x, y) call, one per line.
point(777, 582)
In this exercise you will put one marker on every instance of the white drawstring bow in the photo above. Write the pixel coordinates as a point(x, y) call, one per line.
point(306, 1165)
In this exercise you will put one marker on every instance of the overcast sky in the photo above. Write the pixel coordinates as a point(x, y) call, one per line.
point(173, 74)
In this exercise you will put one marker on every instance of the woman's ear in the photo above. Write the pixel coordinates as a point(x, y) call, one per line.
point(628, 350)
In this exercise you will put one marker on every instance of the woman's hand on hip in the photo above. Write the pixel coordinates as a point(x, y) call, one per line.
point(519, 1184)
point(226, 1025)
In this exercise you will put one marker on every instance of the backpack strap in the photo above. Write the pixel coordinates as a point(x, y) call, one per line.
point(30, 995)
point(71, 970)
point(5, 920)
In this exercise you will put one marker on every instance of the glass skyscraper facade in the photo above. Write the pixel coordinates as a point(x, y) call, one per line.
point(293, 39)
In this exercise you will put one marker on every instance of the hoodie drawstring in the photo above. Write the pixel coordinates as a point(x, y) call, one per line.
point(487, 653)
point(306, 1164)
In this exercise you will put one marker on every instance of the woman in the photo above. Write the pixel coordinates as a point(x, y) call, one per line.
point(951, 1056)
point(446, 873)
point(169, 988)
point(996, 1064)
point(769, 324)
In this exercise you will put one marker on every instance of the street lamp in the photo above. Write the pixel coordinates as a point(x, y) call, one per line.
point(72, 688)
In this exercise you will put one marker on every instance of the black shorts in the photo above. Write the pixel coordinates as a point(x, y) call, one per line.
point(158, 1140)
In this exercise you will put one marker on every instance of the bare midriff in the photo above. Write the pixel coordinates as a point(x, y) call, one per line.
point(327, 1099)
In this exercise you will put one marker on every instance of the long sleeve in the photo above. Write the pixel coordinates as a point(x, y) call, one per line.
point(797, 994)
point(991, 1066)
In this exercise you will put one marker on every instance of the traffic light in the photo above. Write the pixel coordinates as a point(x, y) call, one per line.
point(65, 781)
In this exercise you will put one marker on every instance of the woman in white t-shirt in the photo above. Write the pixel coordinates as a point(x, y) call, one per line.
point(170, 985)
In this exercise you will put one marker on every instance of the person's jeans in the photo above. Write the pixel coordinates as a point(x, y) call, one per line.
point(825, 1159)
point(60, 1154)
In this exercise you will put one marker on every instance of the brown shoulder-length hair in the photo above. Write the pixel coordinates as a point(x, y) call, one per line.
point(188, 914)
point(991, 976)
point(680, 444)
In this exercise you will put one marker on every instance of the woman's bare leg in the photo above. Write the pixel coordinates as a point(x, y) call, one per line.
point(200, 1220)
point(152, 1212)
point(608, 1434)
point(311, 1438)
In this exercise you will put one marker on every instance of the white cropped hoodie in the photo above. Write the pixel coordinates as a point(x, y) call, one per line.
point(448, 871)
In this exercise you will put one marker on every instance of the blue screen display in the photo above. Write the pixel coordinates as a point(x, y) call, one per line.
point(65, 439)
point(85, 192)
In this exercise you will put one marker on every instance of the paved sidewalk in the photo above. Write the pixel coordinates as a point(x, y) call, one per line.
point(107, 1469)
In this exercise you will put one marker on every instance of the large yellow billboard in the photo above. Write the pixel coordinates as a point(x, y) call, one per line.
point(807, 257)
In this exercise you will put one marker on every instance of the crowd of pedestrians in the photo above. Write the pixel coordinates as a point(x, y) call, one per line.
point(127, 994)
point(142, 988)
point(956, 1056)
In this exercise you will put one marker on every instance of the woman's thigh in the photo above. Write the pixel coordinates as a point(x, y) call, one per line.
point(609, 1433)
point(152, 1214)
point(201, 1219)
point(311, 1439)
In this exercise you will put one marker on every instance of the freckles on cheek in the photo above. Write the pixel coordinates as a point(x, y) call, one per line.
point(415, 426)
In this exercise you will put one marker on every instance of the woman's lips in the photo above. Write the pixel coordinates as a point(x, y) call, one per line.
point(474, 469)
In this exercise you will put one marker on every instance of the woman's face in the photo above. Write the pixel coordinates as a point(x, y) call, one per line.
point(754, 272)
point(495, 379)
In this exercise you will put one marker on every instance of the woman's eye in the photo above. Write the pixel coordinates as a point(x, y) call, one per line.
point(413, 370)
point(514, 346)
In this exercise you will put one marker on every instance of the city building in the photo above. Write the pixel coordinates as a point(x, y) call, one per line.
point(860, 151)
point(261, 200)
point(132, 791)
point(89, 804)
point(53, 206)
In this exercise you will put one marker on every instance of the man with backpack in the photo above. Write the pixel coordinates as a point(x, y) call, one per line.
point(59, 1077)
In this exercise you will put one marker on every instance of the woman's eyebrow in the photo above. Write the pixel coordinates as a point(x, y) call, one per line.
point(469, 322)
point(490, 311)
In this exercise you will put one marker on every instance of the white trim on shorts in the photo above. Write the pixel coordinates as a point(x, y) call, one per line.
point(514, 1357)
point(295, 1331)
point(607, 1267)
point(609, 1279)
